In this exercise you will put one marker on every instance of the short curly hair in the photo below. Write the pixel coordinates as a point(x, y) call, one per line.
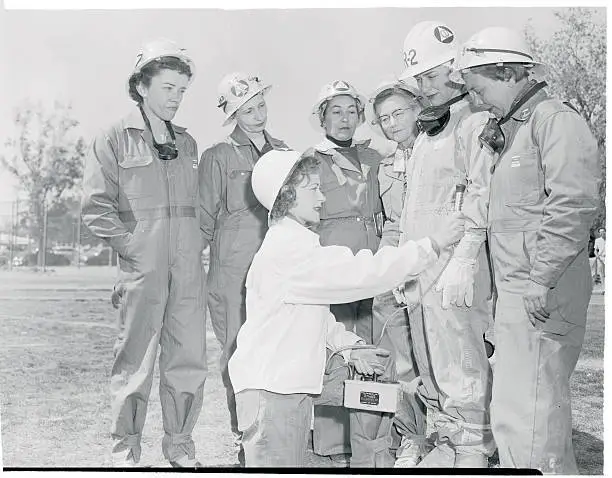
point(152, 69)
point(286, 197)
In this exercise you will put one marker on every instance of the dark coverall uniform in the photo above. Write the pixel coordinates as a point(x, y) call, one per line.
point(349, 181)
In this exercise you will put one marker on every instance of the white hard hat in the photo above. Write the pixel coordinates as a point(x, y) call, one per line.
point(156, 49)
point(427, 45)
point(330, 90)
point(235, 89)
point(409, 84)
point(492, 46)
point(270, 173)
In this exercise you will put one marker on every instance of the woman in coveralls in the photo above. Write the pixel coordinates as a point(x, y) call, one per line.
point(351, 216)
point(279, 362)
point(140, 193)
point(543, 199)
point(233, 222)
point(392, 111)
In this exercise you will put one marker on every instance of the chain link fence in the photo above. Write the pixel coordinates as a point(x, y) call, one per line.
point(65, 239)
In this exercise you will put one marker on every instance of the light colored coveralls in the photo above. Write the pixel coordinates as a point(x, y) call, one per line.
point(352, 198)
point(411, 415)
point(145, 209)
point(447, 343)
point(279, 363)
point(234, 223)
point(544, 195)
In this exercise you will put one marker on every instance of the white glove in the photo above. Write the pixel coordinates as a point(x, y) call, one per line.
point(457, 282)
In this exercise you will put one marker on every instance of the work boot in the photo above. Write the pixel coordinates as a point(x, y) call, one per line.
point(442, 456)
point(471, 460)
point(410, 453)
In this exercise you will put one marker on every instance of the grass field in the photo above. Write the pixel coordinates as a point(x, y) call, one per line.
point(56, 337)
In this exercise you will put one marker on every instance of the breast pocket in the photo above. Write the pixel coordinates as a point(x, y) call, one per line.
point(522, 177)
point(137, 177)
point(336, 200)
point(240, 194)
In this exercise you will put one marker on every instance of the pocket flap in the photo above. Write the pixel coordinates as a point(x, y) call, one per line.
point(136, 161)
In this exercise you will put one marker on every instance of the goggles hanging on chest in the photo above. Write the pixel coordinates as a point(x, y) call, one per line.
point(492, 137)
point(165, 151)
point(433, 120)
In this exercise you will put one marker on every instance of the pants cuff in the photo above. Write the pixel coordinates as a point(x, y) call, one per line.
point(176, 445)
point(128, 442)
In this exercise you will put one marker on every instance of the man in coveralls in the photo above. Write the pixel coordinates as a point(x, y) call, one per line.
point(544, 197)
point(140, 196)
point(447, 336)
point(232, 220)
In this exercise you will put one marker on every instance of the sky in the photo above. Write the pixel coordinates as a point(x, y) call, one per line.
point(85, 57)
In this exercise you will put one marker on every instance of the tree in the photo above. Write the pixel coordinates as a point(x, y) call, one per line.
point(46, 157)
point(576, 58)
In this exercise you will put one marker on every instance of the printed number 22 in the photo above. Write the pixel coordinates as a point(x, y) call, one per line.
point(409, 57)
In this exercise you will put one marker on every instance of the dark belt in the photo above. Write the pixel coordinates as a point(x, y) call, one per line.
point(157, 213)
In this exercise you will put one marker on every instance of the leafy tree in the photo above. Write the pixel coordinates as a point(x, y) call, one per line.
point(46, 157)
point(576, 58)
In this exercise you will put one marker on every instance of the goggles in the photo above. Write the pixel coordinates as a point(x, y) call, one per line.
point(165, 151)
point(492, 137)
point(433, 120)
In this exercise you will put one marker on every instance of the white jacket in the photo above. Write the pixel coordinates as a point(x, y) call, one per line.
point(290, 285)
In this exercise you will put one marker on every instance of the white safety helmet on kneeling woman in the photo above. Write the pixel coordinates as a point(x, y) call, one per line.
point(493, 46)
point(270, 173)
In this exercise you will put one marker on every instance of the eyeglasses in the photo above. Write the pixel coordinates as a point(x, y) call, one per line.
point(398, 115)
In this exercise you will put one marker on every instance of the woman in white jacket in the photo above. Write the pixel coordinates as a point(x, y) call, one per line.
point(279, 363)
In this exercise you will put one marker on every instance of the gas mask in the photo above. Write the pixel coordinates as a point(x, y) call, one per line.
point(165, 151)
point(433, 120)
point(492, 137)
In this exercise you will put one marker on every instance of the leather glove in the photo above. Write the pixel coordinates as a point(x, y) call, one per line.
point(369, 361)
point(457, 282)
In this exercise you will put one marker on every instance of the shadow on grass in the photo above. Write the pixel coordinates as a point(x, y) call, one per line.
point(589, 453)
